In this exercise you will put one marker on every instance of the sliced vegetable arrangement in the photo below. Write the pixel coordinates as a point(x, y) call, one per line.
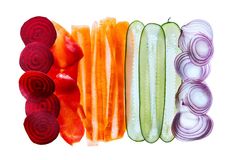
point(116, 76)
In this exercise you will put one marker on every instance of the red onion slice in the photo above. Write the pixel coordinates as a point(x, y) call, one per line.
point(36, 56)
point(182, 94)
point(35, 85)
point(50, 104)
point(187, 126)
point(199, 99)
point(38, 29)
point(189, 71)
point(41, 127)
point(201, 50)
point(191, 29)
point(196, 96)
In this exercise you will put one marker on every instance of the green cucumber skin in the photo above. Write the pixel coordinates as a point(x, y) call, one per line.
point(132, 87)
point(152, 67)
point(173, 81)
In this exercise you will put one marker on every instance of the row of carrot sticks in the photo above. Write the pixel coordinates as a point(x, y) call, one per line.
point(101, 78)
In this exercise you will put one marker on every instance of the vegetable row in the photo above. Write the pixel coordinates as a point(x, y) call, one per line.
point(194, 98)
point(114, 77)
point(42, 106)
point(151, 81)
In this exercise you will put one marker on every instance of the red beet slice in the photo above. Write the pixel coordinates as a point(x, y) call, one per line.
point(38, 29)
point(35, 85)
point(36, 56)
point(41, 127)
point(50, 104)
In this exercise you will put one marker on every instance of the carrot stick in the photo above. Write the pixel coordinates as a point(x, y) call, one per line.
point(121, 29)
point(82, 35)
point(102, 79)
point(94, 104)
point(108, 25)
point(98, 81)
point(117, 120)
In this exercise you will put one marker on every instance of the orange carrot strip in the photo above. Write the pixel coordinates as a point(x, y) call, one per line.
point(99, 83)
point(103, 80)
point(110, 68)
point(121, 29)
point(82, 35)
point(94, 98)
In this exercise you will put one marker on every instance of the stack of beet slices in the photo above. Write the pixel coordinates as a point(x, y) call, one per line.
point(42, 105)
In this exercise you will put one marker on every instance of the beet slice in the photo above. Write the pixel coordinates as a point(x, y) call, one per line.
point(38, 29)
point(35, 85)
point(41, 127)
point(36, 56)
point(50, 104)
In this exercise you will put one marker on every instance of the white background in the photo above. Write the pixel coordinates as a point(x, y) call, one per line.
point(14, 143)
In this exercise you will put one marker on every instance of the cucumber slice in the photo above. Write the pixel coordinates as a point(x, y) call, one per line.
point(173, 81)
point(152, 68)
point(132, 81)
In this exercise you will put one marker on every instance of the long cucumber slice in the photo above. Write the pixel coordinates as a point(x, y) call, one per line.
point(173, 81)
point(152, 70)
point(132, 80)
